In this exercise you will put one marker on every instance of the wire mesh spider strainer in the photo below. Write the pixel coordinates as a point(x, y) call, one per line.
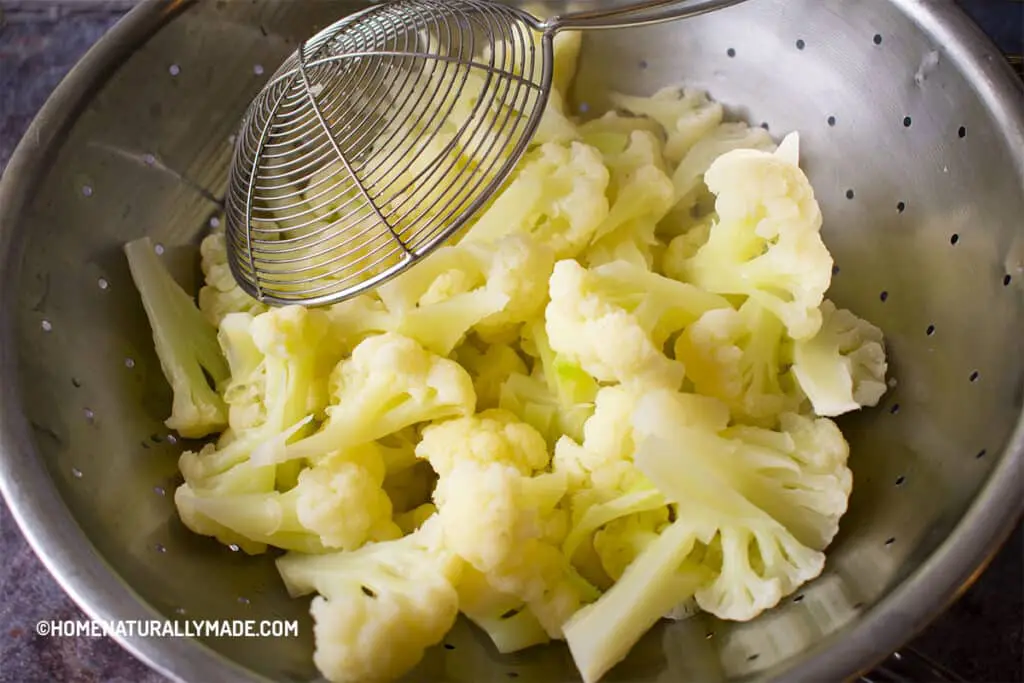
point(138, 140)
point(382, 135)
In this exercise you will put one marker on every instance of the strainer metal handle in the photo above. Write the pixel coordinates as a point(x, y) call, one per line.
point(634, 14)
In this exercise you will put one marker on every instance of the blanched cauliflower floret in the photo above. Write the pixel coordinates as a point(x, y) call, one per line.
point(389, 383)
point(557, 196)
point(490, 288)
point(766, 243)
point(508, 526)
point(614, 320)
point(737, 357)
point(379, 608)
point(687, 116)
point(493, 436)
point(221, 294)
point(841, 368)
point(640, 193)
point(336, 504)
point(506, 619)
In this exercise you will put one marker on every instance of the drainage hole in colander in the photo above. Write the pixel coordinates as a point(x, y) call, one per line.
point(753, 657)
point(159, 249)
point(901, 480)
point(179, 610)
point(149, 159)
point(930, 330)
point(172, 439)
point(831, 121)
point(850, 194)
point(583, 107)
point(76, 473)
point(159, 490)
point(174, 69)
point(858, 605)
point(894, 409)
point(877, 39)
point(907, 122)
point(46, 325)
point(90, 416)
point(954, 238)
point(1006, 280)
point(129, 363)
point(214, 222)
point(901, 206)
point(835, 270)
point(883, 297)
point(156, 438)
point(242, 600)
point(799, 598)
point(103, 283)
point(962, 132)
point(512, 674)
point(643, 64)
point(449, 646)
point(76, 383)
point(86, 190)
point(731, 52)
point(257, 69)
point(800, 44)
point(890, 541)
point(975, 376)
point(764, 124)
point(160, 548)
point(981, 454)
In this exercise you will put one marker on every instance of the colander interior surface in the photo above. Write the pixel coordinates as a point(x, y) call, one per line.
point(910, 134)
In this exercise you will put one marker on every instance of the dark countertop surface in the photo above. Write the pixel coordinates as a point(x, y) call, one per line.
point(981, 637)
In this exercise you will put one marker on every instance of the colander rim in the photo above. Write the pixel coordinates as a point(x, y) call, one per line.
point(55, 537)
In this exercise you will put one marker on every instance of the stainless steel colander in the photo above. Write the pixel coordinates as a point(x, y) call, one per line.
point(912, 130)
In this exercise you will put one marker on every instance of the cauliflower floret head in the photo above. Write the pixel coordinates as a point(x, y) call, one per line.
point(766, 243)
point(378, 608)
point(494, 435)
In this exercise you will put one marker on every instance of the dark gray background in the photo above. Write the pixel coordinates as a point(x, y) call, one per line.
point(980, 637)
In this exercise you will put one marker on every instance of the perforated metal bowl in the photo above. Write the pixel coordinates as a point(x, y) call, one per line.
point(913, 135)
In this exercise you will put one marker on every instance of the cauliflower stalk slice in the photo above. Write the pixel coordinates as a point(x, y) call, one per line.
point(766, 242)
point(378, 608)
point(614, 320)
point(506, 619)
point(841, 368)
point(186, 345)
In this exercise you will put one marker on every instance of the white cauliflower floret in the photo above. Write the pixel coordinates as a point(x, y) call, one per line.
point(557, 196)
point(766, 243)
point(687, 116)
point(842, 367)
point(613, 321)
point(379, 608)
point(185, 343)
point(508, 526)
point(494, 435)
point(640, 193)
point(337, 504)
point(389, 383)
point(738, 357)
point(688, 178)
point(221, 294)
point(490, 288)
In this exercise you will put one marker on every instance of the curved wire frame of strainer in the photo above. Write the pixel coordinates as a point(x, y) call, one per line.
point(376, 142)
